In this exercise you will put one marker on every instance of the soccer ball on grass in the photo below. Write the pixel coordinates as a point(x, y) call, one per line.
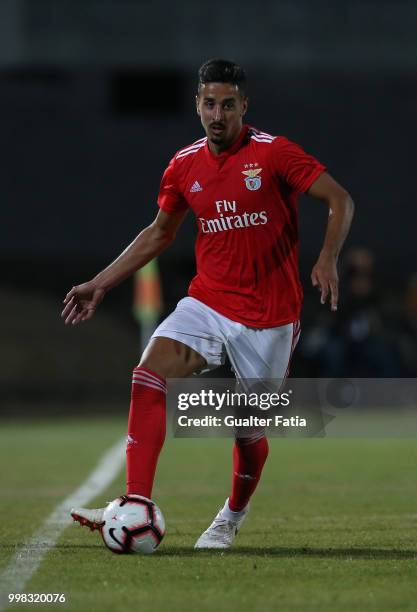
point(133, 524)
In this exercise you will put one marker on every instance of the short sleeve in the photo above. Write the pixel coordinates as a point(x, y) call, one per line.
point(170, 198)
point(296, 167)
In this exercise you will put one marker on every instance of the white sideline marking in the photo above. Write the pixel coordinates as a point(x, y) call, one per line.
point(29, 556)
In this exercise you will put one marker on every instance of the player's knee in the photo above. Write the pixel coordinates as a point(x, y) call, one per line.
point(170, 358)
point(152, 365)
point(253, 437)
point(158, 358)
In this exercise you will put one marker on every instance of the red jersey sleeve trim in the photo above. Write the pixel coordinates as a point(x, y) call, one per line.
point(294, 165)
point(171, 207)
point(312, 178)
point(170, 198)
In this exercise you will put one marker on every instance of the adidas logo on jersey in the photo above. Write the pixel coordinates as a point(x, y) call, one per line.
point(196, 187)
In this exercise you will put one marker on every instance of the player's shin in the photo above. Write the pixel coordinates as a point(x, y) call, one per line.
point(249, 457)
point(146, 430)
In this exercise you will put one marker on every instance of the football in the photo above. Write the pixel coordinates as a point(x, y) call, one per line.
point(133, 524)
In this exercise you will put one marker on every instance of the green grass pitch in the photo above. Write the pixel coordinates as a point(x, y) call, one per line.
point(332, 527)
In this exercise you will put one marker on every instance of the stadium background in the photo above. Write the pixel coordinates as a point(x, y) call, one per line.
point(95, 97)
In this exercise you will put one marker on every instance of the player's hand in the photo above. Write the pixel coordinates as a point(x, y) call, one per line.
point(324, 276)
point(81, 303)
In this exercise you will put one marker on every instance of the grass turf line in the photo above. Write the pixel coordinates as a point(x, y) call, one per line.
point(331, 528)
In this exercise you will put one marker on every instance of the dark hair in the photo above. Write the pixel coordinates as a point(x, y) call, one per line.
point(222, 71)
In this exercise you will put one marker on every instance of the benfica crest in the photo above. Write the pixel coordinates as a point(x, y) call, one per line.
point(252, 180)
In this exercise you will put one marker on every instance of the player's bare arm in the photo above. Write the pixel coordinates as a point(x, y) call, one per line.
point(82, 301)
point(324, 275)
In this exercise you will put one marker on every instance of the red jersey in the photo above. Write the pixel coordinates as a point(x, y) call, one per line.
point(245, 202)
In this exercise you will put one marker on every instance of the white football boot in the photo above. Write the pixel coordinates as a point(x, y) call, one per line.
point(91, 517)
point(223, 529)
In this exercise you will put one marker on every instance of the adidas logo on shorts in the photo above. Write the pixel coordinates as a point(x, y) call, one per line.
point(196, 187)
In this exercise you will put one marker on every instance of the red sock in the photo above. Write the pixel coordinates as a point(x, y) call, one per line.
point(146, 430)
point(248, 460)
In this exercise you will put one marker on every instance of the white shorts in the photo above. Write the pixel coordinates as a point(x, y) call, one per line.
point(253, 353)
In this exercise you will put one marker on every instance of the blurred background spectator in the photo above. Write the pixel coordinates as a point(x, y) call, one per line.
point(368, 336)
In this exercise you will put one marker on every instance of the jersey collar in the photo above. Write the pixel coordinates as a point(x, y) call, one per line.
point(221, 158)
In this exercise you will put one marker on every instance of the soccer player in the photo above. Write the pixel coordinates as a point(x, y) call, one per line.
point(243, 185)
